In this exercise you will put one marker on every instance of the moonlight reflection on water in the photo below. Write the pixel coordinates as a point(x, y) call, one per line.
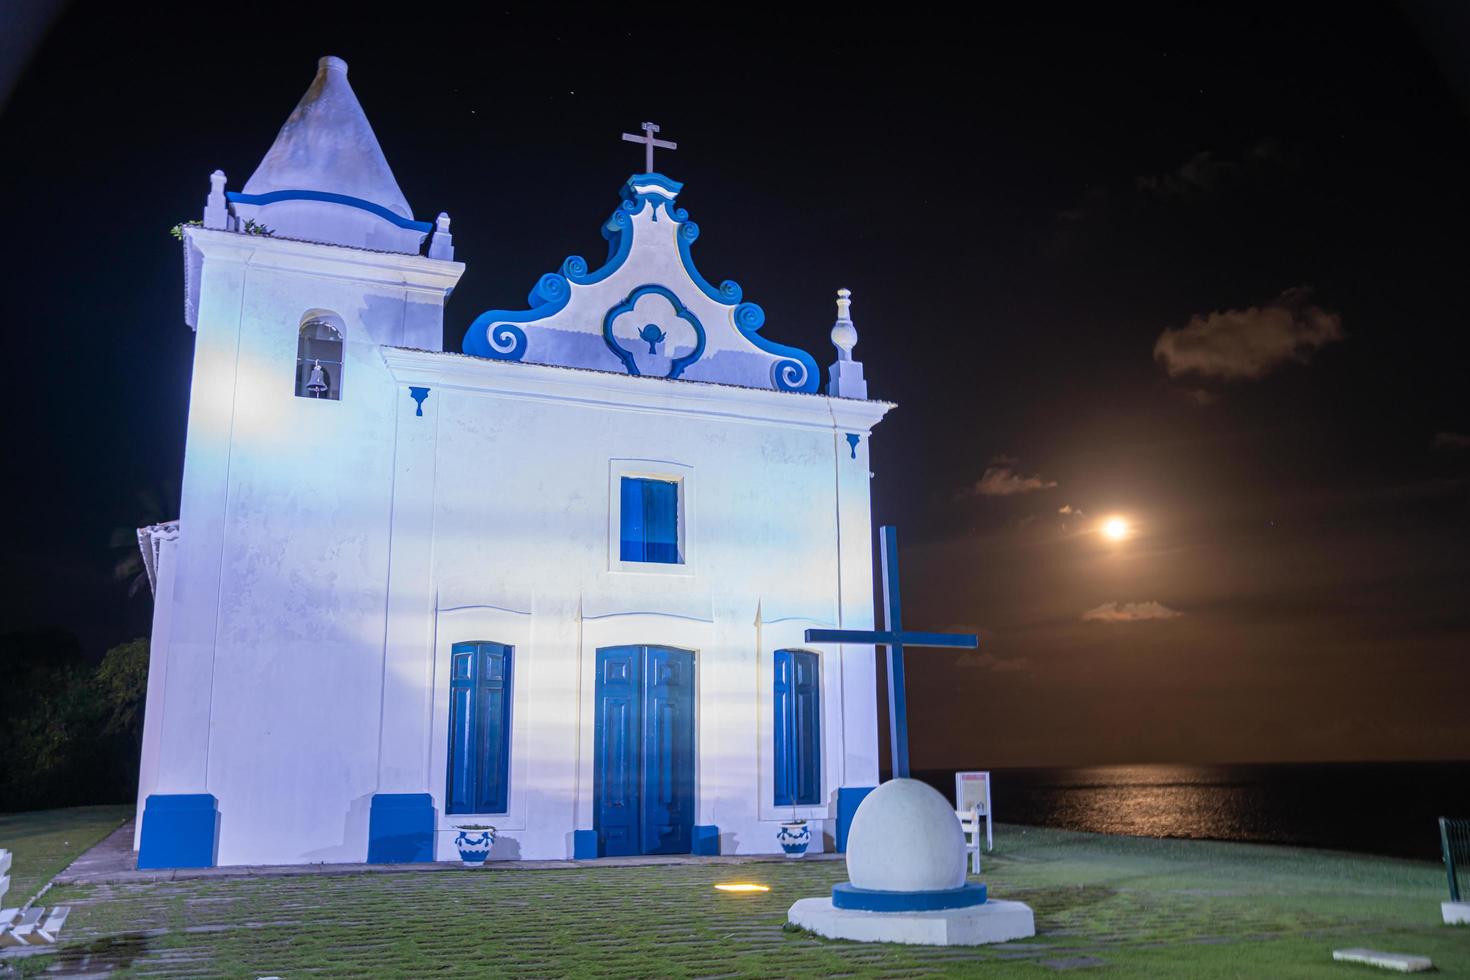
point(1380, 808)
point(1155, 801)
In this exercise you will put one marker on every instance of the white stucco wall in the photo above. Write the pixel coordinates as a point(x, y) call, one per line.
point(523, 496)
point(272, 698)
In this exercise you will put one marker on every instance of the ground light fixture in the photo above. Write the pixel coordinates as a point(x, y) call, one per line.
point(742, 887)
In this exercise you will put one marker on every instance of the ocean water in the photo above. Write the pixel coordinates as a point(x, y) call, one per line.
point(1371, 808)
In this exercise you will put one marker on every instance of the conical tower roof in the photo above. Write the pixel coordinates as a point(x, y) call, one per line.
point(327, 145)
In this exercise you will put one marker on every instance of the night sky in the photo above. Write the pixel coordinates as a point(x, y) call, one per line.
point(1206, 271)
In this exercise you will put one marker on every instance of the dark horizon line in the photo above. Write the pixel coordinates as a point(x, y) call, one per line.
point(885, 772)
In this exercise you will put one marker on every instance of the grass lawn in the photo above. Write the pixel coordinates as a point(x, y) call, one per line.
point(1108, 905)
point(43, 842)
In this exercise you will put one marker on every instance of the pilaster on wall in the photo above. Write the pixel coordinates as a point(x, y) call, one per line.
point(187, 693)
point(855, 556)
point(158, 646)
point(408, 643)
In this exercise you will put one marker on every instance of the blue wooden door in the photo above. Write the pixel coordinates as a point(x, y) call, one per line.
point(668, 751)
point(615, 765)
point(643, 779)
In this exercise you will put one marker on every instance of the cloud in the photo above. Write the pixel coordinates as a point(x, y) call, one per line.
point(1205, 172)
point(1005, 480)
point(1450, 441)
point(1069, 510)
point(1202, 177)
point(1201, 173)
point(1129, 612)
point(1249, 343)
point(1201, 397)
point(989, 661)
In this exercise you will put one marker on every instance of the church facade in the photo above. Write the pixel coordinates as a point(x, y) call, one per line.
point(556, 583)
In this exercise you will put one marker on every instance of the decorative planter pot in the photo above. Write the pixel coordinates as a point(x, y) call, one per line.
point(474, 846)
point(795, 837)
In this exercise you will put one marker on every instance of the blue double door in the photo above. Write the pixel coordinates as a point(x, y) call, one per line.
point(643, 779)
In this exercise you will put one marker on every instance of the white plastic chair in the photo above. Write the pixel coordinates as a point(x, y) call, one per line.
point(974, 826)
point(19, 935)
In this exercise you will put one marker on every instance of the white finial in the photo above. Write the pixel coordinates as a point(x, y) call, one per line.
point(441, 245)
point(216, 208)
point(331, 63)
point(846, 374)
point(844, 334)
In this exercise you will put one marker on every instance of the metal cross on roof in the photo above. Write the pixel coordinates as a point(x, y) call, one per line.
point(894, 637)
point(649, 143)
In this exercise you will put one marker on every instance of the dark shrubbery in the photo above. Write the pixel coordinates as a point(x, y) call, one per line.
point(69, 730)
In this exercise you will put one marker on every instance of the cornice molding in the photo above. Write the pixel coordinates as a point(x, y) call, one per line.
point(519, 379)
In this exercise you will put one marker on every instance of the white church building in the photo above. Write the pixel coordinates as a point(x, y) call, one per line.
point(556, 582)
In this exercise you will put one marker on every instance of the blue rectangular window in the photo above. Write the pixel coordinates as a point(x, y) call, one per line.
point(798, 734)
point(649, 521)
point(479, 727)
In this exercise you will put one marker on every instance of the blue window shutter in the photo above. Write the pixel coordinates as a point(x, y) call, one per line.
point(631, 521)
point(649, 520)
point(661, 520)
point(806, 726)
point(494, 727)
point(462, 740)
point(479, 727)
point(784, 745)
point(798, 729)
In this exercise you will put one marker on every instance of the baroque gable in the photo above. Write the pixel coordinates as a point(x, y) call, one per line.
point(646, 311)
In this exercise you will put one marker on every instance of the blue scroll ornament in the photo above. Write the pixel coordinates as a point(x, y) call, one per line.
point(494, 333)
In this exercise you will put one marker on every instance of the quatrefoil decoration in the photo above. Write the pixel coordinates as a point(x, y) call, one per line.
point(674, 335)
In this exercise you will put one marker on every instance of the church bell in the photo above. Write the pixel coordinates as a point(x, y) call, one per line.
point(317, 383)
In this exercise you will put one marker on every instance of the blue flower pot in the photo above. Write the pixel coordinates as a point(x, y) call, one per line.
point(474, 846)
point(795, 837)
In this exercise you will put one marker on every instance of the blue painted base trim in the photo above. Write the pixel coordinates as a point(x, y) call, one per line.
point(179, 831)
point(401, 828)
point(706, 839)
point(584, 844)
point(848, 799)
point(848, 896)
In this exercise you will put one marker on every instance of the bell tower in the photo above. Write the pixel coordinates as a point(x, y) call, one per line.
point(294, 285)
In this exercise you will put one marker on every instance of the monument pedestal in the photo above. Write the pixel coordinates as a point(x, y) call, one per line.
point(906, 850)
point(906, 858)
point(992, 922)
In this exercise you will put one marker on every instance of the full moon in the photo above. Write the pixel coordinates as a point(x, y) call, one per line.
point(1115, 529)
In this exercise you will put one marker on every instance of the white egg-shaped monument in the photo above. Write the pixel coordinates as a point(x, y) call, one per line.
point(906, 865)
point(905, 838)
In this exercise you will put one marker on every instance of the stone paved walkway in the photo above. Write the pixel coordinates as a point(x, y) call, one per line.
point(113, 861)
point(1125, 906)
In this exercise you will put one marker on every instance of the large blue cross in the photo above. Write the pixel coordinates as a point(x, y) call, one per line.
point(894, 637)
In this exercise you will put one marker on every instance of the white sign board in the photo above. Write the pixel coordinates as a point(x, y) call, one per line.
point(972, 792)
